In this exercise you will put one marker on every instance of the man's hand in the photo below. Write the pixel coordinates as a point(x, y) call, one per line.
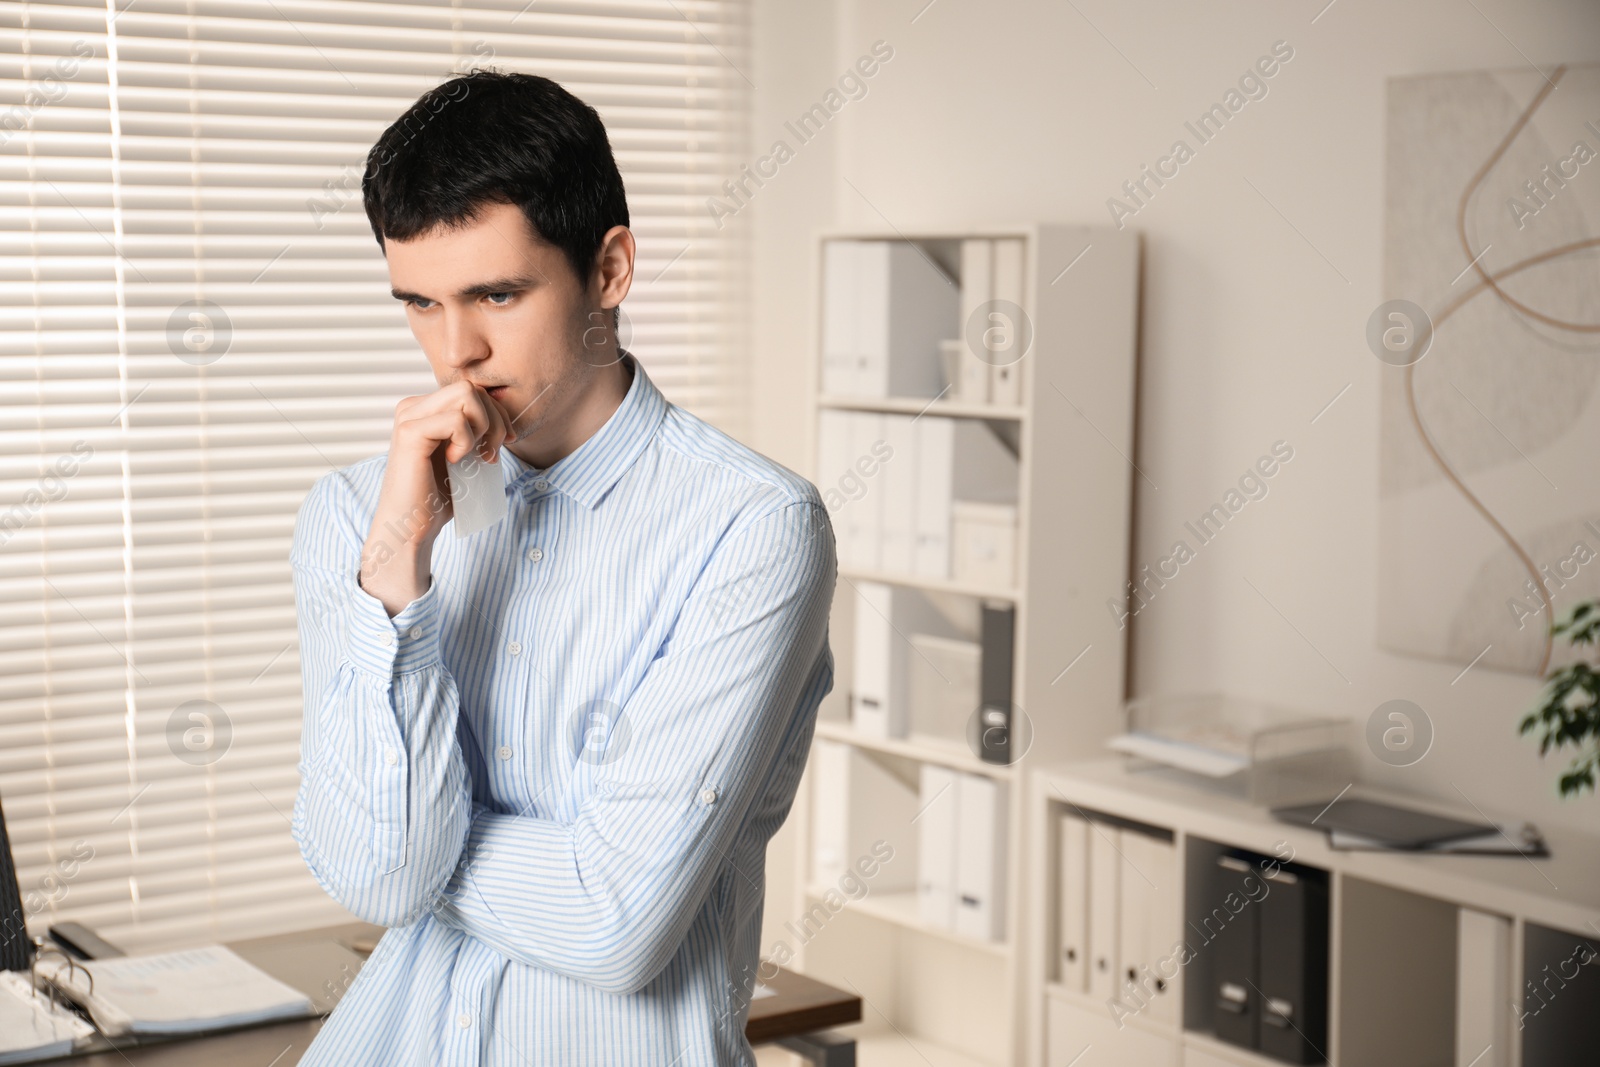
point(414, 503)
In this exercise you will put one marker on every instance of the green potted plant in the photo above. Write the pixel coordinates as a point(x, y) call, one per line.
point(1570, 712)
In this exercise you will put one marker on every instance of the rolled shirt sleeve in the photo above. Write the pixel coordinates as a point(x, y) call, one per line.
point(383, 807)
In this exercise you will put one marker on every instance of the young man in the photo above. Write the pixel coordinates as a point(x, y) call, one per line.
point(548, 756)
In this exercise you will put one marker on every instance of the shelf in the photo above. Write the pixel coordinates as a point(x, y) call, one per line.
point(903, 405)
point(946, 754)
point(933, 585)
point(902, 910)
point(1071, 489)
point(1562, 891)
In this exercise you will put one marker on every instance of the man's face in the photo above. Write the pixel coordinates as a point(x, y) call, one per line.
point(492, 304)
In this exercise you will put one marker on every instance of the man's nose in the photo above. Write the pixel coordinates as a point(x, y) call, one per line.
point(464, 342)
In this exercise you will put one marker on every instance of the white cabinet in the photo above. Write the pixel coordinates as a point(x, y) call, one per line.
point(902, 448)
point(1432, 961)
point(1085, 1036)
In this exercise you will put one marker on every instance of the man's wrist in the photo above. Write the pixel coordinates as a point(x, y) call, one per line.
point(394, 578)
point(384, 641)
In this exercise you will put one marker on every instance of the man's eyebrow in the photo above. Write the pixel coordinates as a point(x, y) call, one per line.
point(494, 285)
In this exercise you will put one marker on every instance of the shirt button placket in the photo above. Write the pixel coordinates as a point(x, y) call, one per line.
point(477, 971)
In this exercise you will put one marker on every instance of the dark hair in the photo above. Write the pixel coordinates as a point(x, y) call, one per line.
point(492, 137)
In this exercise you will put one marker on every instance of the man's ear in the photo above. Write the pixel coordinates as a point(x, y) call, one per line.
point(614, 276)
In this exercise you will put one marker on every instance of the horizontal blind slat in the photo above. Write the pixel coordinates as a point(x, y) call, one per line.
point(147, 500)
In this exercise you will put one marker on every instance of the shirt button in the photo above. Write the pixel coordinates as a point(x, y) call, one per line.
point(707, 795)
point(541, 484)
point(504, 752)
point(390, 756)
point(515, 648)
point(535, 554)
point(387, 638)
point(414, 633)
point(464, 1020)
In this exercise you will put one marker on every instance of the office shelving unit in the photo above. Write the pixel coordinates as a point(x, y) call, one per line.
point(932, 995)
point(1395, 943)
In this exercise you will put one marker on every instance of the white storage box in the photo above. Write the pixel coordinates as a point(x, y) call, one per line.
point(944, 687)
point(984, 543)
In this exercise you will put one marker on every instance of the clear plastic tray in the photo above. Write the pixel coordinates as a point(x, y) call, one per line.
point(1261, 753)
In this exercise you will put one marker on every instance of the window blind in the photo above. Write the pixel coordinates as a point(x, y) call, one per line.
point(196, 325)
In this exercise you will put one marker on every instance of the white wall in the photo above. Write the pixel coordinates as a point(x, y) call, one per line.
point(1253, 320)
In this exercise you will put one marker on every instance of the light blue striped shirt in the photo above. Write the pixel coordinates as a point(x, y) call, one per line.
point(554, 775)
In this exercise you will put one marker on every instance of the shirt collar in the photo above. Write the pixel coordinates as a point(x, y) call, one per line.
point(588, 472)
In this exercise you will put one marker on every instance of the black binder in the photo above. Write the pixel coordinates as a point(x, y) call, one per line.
point(997, 646)
point(1236, 1006)
point(1270, 958)
point(16, 950)
point(1294, 965)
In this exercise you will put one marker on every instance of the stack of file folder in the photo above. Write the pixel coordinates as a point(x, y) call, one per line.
point(189, 991)
point(32, 1027)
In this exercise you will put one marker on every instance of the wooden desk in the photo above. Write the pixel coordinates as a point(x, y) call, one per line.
point(313, 962)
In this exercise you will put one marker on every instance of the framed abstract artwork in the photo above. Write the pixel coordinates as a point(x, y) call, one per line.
point(1489, 510)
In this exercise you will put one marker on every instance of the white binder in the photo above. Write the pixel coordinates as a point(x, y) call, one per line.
point(1073, 952)
point(1133, 910)
point(1005, 373)
point(897, 484)
point(886, 617)
point(1105, 900)
point(981, 858)
point(956, 459)
point(1148, 914)
point(939, 798)
point(1163, 927)
point(871, 695)
point(830, 810)
point(977, 273)
point(935, 457)
point(833, 461)
point(905, 307)
point(864, 513)
point(1484, 996)
point(841, 350)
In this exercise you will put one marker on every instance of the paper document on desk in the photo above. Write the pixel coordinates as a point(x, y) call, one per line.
point(181, 992)
point(1212, 760)
point(31, 1028)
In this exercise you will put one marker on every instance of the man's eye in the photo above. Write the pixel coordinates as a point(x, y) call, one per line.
point(493, 297)
point(420, 303)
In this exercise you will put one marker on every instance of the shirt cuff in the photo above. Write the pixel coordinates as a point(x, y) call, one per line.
point(386, 646)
